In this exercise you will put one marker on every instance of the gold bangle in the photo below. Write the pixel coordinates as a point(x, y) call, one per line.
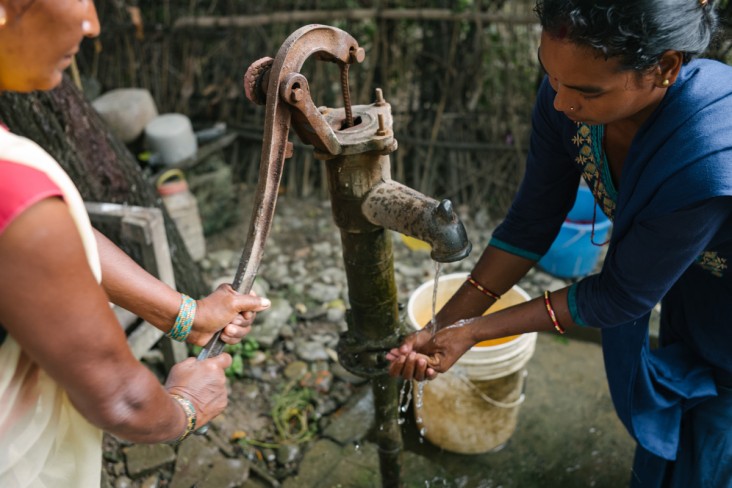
point(190, 412)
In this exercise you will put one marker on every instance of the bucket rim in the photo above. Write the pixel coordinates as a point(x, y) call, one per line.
point(520, 345)
point(599, 224)
point(463, 275)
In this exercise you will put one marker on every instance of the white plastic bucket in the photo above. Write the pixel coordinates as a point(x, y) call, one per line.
point(473, 408)
point(171, 135)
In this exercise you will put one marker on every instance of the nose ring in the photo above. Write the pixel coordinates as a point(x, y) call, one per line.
point(86, 26)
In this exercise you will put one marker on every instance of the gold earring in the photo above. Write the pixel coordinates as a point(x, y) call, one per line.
point(3, 16)
point(571, 109)
point(666, 82)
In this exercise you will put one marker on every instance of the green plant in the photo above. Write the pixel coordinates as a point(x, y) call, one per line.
point(293, 415)
point(239, 352)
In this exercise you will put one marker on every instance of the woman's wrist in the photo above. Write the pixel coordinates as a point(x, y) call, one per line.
point(184, 320)
point(190, 416)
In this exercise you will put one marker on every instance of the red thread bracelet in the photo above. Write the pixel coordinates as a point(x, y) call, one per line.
point(552, 315)
point(483, 289)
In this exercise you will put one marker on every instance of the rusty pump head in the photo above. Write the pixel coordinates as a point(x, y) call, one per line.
point(283, 81)
point(359, 136)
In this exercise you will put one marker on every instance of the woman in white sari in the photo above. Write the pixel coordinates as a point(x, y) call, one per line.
point(66, 372)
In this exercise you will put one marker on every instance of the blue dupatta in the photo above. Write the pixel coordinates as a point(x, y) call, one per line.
point(682, 155)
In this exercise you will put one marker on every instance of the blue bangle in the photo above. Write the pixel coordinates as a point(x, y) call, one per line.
point(184, 321)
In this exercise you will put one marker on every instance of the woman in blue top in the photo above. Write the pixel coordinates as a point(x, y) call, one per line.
point(625, 107)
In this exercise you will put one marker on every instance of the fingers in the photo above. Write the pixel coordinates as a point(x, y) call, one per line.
point(408, 369)
point(233, 334)
point(253, 303)
point(412, 366)
point(393, 354)
point(222, 361)
point(397, 364)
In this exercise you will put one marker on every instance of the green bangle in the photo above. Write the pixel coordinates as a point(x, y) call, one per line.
point(184, 321)
point(190, 412)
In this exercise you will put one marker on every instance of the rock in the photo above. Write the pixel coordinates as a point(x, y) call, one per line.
point(354, 420)
point(322, 293)
point(267, 325)
point(320, 381)
point(295, 370)
point(142, 459)
point(126, 111)
point(226, 473)
point(123, 482)
point(336, 315)
point(287, 332)
point(105, 481)
point(328, 464)
point(343, 374)
point(250, 391)
point(288, 453)
point(269, 455)
point(150, 482)
point(195, 456)
point(223, 259)
point(310, 350)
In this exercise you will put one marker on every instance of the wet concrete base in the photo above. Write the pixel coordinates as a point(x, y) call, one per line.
point(567, 436)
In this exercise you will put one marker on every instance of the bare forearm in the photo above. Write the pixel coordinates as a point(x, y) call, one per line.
point(497, 271)
point(531, 316)
point(137, 409)
point(131, 287)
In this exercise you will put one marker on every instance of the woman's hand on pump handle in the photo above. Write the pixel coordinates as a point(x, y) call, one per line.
point(203, 383)
point(225, 306)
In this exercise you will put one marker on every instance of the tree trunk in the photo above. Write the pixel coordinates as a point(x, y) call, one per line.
point(65, 124)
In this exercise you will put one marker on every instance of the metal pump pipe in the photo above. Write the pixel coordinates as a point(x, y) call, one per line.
point(355, 142)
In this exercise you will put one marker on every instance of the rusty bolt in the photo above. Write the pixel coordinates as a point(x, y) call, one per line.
point(381, 131)
point(357, 55)
point(296, 95)
point(379, 98)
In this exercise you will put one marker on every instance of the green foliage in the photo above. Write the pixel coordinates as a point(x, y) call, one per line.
point(239, 353)
point(293, 414)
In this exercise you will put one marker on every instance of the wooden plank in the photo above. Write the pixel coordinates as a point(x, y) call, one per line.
point(320, 16)
point(127, 319)
point(144, 226)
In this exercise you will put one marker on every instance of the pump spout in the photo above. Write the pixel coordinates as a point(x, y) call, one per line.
point(394, 206)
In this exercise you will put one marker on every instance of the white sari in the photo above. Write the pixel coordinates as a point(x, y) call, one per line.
point(44, 440)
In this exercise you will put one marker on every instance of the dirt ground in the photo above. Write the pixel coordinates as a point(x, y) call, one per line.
point(286, 403)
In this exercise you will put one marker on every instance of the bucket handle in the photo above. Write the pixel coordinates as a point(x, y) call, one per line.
point(169, 175)
point(490, 400)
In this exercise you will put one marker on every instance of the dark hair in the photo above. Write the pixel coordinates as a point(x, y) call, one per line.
point(636, 32)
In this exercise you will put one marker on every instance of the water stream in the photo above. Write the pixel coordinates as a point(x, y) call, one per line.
point(433, 323)
point(405, 396)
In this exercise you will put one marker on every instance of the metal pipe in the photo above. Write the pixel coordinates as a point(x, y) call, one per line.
point(355, 142)
point(395, 206)
point(374, 315)
point(366, 204)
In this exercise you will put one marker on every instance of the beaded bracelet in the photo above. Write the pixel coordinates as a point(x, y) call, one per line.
point(552, 315)
point(184, 321)
point(483, 289)
point(191, 417)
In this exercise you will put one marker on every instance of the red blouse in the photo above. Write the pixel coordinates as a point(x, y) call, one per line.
point(20, 187)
